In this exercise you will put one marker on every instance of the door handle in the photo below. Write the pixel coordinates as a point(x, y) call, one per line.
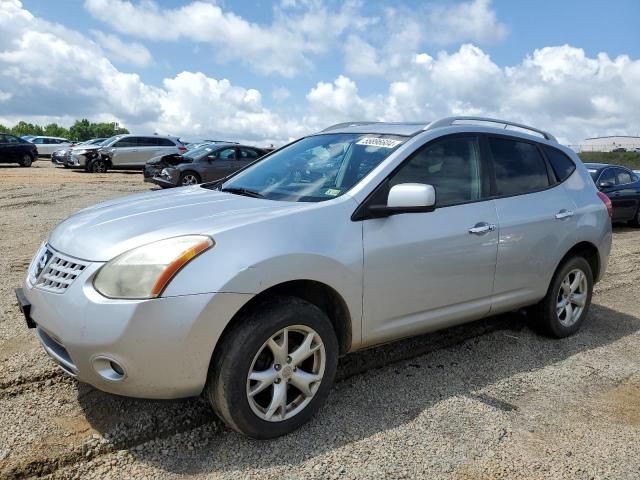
point(481, 228)
point(564, 213)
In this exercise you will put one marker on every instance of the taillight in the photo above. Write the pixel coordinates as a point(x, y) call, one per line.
point(182, 149)
point(607, 203)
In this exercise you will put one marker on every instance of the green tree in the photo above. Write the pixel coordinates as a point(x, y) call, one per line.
point(81, 130)
point(4, 129)
point(55, 130)
point(24, 128)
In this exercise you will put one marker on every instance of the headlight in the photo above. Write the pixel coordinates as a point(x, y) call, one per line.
point(166, 172)
point(144, 272)
point(82, 151)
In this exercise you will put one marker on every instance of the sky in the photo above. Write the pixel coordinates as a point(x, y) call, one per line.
point(268, 72)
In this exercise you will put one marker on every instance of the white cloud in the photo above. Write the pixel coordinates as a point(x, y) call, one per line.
point(472, 21)
point(280, 94)
point(556, 88)
point(131, 53)
point(299, 30)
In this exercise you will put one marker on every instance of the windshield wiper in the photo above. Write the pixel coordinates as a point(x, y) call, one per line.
point(243, 191)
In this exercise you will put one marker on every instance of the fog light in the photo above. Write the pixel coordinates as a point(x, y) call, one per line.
point(109, 369)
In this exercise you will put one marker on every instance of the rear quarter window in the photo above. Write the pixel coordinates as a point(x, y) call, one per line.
point(561, 164)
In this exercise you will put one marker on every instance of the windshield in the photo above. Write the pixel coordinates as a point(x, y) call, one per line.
point(315, 168)
point(111, 140)
point(198, 152)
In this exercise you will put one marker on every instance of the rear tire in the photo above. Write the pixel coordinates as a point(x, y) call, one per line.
point(26, 160)
point(565, 306)
point(286, 387)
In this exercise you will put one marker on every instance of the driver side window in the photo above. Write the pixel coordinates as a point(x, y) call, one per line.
point(227, 154)
point(451, 165)
point(608, 177)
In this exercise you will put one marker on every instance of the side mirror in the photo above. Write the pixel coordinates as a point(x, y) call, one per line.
point(406, 198)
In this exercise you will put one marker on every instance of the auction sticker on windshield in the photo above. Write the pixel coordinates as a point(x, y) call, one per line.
point(379, 142)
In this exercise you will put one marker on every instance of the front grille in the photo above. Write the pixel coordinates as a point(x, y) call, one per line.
point(59, 273)
point(150, 172)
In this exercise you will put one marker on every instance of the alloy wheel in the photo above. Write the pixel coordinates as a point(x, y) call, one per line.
point(572, 297)
point(189, 180)
point(286, 373)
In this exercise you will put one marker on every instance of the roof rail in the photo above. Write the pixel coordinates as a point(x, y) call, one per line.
point(448, 121)
point(347, 124)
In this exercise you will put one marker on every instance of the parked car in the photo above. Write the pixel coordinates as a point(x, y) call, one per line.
point(204, 164)
point(252, 287)
point(59, 157)
point(124, 152)
point(16, 150)
point(619, 150)
point(48, 145)
point(622, 186)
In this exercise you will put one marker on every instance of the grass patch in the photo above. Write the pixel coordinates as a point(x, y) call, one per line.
point(627, 159)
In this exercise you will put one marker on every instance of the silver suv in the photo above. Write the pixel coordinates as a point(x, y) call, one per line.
point(123, 152)
point(250, 288)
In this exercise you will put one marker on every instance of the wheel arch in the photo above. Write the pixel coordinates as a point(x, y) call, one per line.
point(590, 253)
point(317, 293)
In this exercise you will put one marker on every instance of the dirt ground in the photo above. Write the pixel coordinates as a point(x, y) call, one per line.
point(487, 400)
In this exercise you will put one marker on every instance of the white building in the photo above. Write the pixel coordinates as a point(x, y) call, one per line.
point(606, 144)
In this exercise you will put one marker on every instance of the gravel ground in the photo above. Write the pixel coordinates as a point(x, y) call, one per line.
point(487, 400)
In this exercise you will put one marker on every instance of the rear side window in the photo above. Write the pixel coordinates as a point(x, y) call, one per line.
point(561, 164)
point(519, 167)
point(165, 142)
point(248, 153)
point(623, 176)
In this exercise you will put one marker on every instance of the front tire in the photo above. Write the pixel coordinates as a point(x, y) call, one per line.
point(563, 310)
point(26, 160)
point(98, 166)
point(274, 369)
point(189, 178)
point(636, 219)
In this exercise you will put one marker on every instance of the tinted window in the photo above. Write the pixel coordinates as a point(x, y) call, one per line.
point(622, 176)
point(608, 177)
point(451, 165)
point(165, 142)
point(561, 164)
point(3, 138)
point(227, 153)
point(38, 141)
point(147, 142)
point(12, 139)
point(518, 165)
point(248, 153)
point(126, 142)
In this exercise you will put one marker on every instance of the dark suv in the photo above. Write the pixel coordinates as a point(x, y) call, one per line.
point(16, 150)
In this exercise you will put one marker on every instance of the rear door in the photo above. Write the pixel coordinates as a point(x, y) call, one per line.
point(536, 220)
point(246, 156)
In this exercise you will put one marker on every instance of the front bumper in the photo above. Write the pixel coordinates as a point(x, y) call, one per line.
point(163, 182)
point(162, 346)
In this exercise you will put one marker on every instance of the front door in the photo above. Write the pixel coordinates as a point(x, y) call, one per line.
point(424, 271)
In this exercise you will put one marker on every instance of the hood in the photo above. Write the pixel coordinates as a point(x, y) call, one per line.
point(86, 147)
point(108, 229)
point(172, 159)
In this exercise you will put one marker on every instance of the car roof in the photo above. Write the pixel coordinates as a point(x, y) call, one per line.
point(470, 123)
point(598, 166)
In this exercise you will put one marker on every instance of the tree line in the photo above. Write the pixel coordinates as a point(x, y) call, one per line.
point(81, 130)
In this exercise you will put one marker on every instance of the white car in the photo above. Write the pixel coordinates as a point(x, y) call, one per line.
point(48, 145)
